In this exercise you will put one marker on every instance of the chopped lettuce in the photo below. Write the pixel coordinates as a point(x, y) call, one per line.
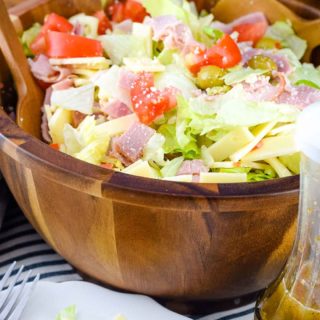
point(173, 77)
point(89, 24)
point(77, 99)
point(307, 75)
point(171, 168)
point(153, 150)
point(241, 75)
point(261, 175)
point(27, 38)
point(69, 313)
point(284, 32)
point(86, 142)
point(138, 44)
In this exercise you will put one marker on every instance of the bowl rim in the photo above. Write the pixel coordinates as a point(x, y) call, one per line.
point(34, 153)
point(30, 149)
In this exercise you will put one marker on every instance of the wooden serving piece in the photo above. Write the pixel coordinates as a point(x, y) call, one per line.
point(226, 11)
point(30, 95)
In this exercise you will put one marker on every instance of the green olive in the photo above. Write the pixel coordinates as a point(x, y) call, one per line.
point(268, 43)
point(263, 63)
point(210, 76)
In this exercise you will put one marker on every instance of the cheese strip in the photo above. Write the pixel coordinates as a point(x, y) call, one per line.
point(262, 132)
point(280, 169)
point(273, 147)
point(230, 143)
point(217, 177)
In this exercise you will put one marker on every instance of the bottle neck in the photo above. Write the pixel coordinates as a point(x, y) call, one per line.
point(302, 275)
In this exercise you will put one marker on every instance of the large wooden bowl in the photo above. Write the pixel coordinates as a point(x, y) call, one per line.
point(165, 239)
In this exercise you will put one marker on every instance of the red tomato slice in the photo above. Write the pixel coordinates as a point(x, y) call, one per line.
point(224, 54)
point(251, 31)
point(38, 45)
point(64, 45)
point(55, 146)
point(228, 51)
point(53, 22)
point(104, 22)
point(135, 11)
point(116, 12)
point(148, 102)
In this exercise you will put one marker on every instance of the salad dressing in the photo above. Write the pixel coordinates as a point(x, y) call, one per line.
point(296, 294)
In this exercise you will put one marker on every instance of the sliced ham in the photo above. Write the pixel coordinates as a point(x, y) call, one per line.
point(300, 96)
point(78, 29)
point(44, 119)
point(131, 144)
point(263, 90)
point(115, 109)
point(63, 84)
point(281, 61)
point(255, 17)
point(194, 167)
point(115, 154)
point(173, 33)
point(42, 70)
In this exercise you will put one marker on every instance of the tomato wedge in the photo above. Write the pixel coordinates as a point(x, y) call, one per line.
point(130, 9)
point(224, 54)
point(148, 102)
point(52, 22)
point(64, 45)
point(251, 31)
point(104, 22)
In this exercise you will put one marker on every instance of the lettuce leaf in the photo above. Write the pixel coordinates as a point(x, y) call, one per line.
point(27, 38)
point(153, 151)
point(283, 31)
point(89, 24)
point(175, 78)
point(261, 175)
point(307, 75)
point(77, 99)
point(242, 75)
point(68, 313)
point(86, 142)
point(171, 168)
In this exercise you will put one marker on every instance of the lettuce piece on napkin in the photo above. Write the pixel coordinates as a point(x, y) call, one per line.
point(69, 313)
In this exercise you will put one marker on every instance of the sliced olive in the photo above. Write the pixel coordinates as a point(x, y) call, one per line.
point(210, 76)
point(263, 63)
point(268, 43)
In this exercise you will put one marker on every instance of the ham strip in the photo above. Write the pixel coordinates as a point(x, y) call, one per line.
point(194, 167)
point(256, 17)
point(300, 96)
point(44, 119)
point(42, 70)
point(131, 144)
point(173, 33)
point(115, 109)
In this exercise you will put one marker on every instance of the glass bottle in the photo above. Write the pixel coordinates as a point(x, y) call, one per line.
point(295, 295)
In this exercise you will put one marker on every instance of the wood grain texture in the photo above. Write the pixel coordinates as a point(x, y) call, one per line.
point(30, 95)
point(166, 239)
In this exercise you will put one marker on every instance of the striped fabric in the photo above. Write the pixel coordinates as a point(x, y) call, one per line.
point(20, 242)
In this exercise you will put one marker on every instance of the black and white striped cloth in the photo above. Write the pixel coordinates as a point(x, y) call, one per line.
point(21, 243)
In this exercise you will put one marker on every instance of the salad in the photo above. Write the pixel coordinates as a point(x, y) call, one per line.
point(156, 89)
point(70, 313)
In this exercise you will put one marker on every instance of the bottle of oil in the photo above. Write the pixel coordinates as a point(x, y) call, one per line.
point(295, 295)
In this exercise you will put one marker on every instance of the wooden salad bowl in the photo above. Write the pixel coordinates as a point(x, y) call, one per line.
point(165, 239)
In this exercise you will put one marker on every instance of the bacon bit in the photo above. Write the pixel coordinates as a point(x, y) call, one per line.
point(282, 85)
point(237, 164)
point(107, 165)
point(55, 146)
